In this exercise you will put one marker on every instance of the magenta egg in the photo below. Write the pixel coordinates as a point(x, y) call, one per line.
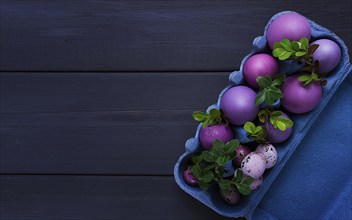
point(275, 135)
point(291, 26)
point(189, 178)
point(328, 54)
point(211, 133)
point(238, 105)
point(259, 65)
point(299, 98)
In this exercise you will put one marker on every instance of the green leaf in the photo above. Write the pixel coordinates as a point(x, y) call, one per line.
point(217, 148)
point(279, 80)
point(244, 189)
point(278, 52)
point(215, 113)
point(214, 117)
point(285, 55)
point(222, 160)
point(295, 45)
point(204, 186)
point(273, 121)
point(304, 43)
point(300, 53)
point(305, 79)
point(286, 44)
point(286, 121)
point(272, 96)
point(248, 180)
point(277, 45)
point(275, 113)
point(196, 171)
point(239, 176)
point(207, 177)
point(231, 146)
point(197, 159)
point(263, 81)
point(225, 185)
point(258, 129)
point(262, 115)
point(249, 127)
point(208, 156)
point(199, 116)
point(280, 125)
point(260, 98)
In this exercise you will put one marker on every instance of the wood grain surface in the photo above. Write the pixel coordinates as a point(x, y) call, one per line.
point(88, 197)
point(189, 35)
point(100, 123)
point(96, 98)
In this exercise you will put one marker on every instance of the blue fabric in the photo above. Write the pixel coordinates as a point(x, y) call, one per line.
point(316, 182)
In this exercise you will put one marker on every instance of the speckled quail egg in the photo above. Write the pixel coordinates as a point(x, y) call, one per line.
point(270, 154)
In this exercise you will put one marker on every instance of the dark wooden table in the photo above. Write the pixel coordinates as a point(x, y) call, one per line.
point(97, 97)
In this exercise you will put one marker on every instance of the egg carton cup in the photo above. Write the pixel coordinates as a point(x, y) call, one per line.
point(303, 122)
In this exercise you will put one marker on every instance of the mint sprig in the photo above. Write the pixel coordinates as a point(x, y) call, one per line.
point(275, 118)
point(215, 116)
point(269, 89)
point(208, 167)
point(257, 133)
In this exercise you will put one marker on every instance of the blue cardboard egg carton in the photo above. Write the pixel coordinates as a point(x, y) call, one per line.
point(303, 122)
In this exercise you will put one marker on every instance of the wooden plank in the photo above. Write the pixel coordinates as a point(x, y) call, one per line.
point(40, 35)
point(91, 197)
point(100, 123)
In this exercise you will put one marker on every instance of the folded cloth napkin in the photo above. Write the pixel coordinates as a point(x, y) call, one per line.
point(316, 181)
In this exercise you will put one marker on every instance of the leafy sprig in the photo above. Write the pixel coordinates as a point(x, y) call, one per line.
point(257, 133)
point(215, 116)
point(269, 89)
point(208, 167)
point(275, 118)
point(301, 50)
point(240, 181)
point(312, 75)
point(294, 50)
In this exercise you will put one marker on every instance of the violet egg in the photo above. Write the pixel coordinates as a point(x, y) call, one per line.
point(269, 153)
point(328, 54)
point(232, 197)
point(211, 133)
point(241, 152)
point(238, 105)
point(291, 26)
point(259, 65)
point(253, 165)
point(275, 135)
point(299, 98)
point(189, 178)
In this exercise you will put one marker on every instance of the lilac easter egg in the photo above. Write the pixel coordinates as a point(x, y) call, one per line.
point(328, 54)
point(275, 135)
point(299, 98)
point(238, 105)
point(259, 65)
point(211, 133)
point(291, 26)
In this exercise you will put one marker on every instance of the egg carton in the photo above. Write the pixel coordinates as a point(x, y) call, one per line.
point(303, 122)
